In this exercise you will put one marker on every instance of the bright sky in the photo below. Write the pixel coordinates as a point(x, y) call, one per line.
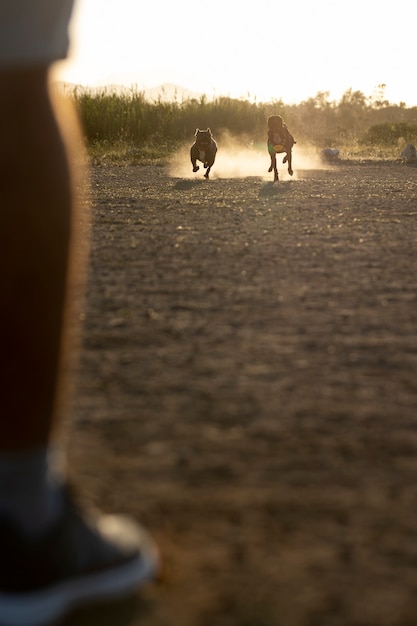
point(268, 48)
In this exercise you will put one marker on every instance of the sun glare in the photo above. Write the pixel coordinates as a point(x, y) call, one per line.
point(242, 52)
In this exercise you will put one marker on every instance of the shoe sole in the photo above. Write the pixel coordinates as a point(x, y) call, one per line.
point(45, 607)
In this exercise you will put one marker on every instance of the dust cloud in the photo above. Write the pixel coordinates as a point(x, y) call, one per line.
point(240, 158)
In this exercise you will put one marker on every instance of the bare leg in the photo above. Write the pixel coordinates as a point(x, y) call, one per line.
point(37, 230)
point(38, 244)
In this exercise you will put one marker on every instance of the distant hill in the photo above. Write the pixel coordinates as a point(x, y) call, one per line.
point(167, 92)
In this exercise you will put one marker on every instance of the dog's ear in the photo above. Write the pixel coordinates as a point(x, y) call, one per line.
point(208, 130)
point(197, 130)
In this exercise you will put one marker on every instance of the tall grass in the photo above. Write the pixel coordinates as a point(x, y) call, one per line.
point(127, 126)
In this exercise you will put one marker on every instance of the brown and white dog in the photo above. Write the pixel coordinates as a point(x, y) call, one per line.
point(204, 149)
point(279, 140)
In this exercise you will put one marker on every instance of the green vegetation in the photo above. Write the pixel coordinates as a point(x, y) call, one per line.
point(390, 133)
point(127, 127)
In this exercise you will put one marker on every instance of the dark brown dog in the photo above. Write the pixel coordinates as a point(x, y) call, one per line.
point(279, 140)
point(204, 149)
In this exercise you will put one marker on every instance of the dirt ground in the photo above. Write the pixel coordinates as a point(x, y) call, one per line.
point(248, 391)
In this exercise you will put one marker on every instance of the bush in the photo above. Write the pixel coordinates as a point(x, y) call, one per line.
point(389, 134)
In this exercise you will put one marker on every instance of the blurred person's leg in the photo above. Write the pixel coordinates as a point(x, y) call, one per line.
point(36, 215)
point(37, 206)
point(39, 526)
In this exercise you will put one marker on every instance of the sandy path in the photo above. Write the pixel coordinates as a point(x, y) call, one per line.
point(248, 390)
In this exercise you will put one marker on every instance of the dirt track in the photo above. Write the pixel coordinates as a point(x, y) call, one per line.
point(248, 391)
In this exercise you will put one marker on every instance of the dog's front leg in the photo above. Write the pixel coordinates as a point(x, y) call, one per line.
point(210, 162)
point(274, 166)
point(289, 161)
point(193, 156)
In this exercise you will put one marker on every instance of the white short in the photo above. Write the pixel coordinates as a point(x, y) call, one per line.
point(33, 32)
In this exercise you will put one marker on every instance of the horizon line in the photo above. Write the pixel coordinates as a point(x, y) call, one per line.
point(159, 90)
